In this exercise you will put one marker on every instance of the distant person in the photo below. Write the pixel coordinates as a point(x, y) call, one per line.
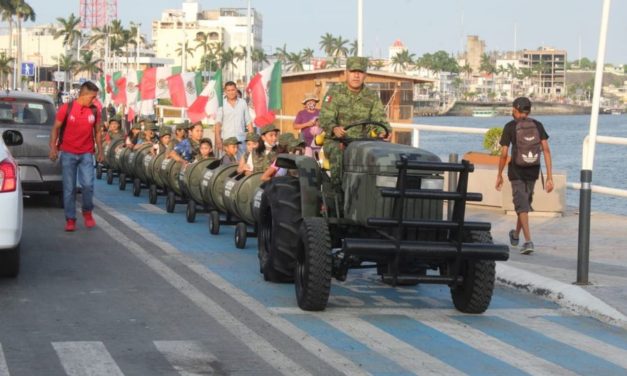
point(307, 122)
point(72, 139)
point(529, 140)
point(233, 118)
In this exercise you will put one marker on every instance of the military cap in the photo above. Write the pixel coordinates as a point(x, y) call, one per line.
point(150, 125)
point(165, 131)
point(297, 142)
point(252, 137)
point(357, 63)
point(116, 119)
point(231, 141)
point(286, 139)
point(136, 126)
point(269, 128)
point(182, 126)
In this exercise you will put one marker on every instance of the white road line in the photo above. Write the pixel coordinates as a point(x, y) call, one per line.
point(4, 369)
point(391, 347)
point(315, 347)
point(86, 359)
point(571, 337)
point(252, 340)
point(152, 208)
point(189, 358)
point(420, 313)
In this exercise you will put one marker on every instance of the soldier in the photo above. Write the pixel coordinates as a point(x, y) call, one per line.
point(205, 150)
point(347, 103)
point(133, 136)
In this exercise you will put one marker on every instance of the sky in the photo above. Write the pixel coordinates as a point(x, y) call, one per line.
point(424, 26)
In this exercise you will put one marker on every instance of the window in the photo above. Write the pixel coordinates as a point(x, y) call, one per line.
point(26, 111)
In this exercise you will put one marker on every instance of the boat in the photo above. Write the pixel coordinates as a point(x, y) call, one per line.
point(483, 112)
point(616, 111)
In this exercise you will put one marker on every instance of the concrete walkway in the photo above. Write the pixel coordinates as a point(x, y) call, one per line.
point(552, 269)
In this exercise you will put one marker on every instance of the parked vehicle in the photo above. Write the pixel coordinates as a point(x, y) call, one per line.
point(11, 209)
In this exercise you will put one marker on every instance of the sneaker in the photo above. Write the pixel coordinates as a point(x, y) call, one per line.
point(70, 225)
point(89, 219)
point(513, 240)
point(527, 248)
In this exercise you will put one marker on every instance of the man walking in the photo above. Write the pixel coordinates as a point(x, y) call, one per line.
point(529, 140)
point(77, 126)
point(233, 118)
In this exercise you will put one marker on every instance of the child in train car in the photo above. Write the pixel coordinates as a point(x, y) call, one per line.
point(264, 154)
point(114, 131)
point(165, 133)
point(230, 147)
point(245, 161)
point(133, 137)
point(205, 150)
point(149, 134)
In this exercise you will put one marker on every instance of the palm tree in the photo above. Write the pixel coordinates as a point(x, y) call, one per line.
point(376, 64)
point(204, 42)
point(259, 57)
point(23, 12)
point(69, 31)
point(295, 62)
point(282, 53)
point(88, 64)
point(228, 59)
point(402, 60)
point(6, 68)
point(184, 48)
point(66, 64)
point(339, 47)
point(354, 48)
point(327, 41)
point(466, 69)
point(308, 54)
point(486, 65)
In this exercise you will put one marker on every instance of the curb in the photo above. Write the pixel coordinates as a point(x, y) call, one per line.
point(566, 295)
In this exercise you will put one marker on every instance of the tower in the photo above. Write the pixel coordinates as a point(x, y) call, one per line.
point(97, 13)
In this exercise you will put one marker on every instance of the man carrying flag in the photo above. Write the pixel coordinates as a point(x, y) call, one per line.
point(233, 118)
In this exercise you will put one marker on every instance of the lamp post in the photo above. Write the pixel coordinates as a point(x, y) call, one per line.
point(360, 27)
point(137, 40)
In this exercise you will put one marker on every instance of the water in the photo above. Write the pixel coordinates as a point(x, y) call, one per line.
point(566, 134)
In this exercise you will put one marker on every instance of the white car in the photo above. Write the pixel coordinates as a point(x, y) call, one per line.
point(11, 206)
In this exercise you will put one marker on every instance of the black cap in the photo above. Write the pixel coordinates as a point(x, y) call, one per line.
point(522, 104)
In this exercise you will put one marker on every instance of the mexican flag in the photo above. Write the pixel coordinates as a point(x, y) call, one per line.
point(265, 90)
point(208, 101)
point(102, 92)
point(133, 79)
point(118, 88)
point(184, 88)
point(154, 83)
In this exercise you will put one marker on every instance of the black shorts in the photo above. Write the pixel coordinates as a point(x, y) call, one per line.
point(522, 192)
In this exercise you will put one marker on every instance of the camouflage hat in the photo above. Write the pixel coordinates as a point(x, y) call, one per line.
point(165, 131)
point(269, 128)
point(182, 126)
point(296, 142)
point(116, 119)
point(150, 125)
point(286, 139)
point(357, 63)
point(252, 137)
point(231, 141)
point(136, 126)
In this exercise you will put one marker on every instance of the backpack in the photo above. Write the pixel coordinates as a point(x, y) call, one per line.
point(94, 109)
point(528, 147)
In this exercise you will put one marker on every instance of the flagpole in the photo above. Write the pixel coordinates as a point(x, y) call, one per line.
point(360, 27)
point(248, 65)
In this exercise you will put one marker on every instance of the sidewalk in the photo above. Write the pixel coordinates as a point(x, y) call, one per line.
point(552, 269)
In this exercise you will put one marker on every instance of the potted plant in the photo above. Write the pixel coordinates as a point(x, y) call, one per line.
point(491, 143)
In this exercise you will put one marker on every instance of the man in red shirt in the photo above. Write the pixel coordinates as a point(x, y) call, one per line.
point(73, 143)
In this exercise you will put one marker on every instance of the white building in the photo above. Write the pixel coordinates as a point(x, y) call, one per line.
point(227, 26)
point(396, 48)
point(38, 44)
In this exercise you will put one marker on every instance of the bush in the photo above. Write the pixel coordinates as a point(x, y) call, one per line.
point(491, 141)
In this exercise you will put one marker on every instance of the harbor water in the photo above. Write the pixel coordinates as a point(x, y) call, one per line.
point(566, 135)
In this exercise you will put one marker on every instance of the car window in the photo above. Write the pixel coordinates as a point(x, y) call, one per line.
point(26, 111)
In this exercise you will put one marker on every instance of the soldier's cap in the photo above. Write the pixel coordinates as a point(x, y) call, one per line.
point(252, 137)
point(182, 126)
point(231, 141)
point(296, 142)
point(286, 139)
point(165, 131)
point(117, 119)
point(269, 128)
point(136, 126)
point(522, 104)
point(192, 125)
point(357, 63)
point(150, 125)
point(310, 97)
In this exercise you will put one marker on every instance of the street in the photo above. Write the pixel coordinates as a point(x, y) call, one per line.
point(146, 293)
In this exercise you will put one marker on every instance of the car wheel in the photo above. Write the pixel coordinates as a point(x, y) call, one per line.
point(152, 194)
point(137, 187)
point(122, 182)
point(170, 202)
point(241, 233)
point(214, 222)
point(190, 213)
point(313, 265)
point(10, 262)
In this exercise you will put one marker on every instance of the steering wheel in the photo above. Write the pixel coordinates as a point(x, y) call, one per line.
point(364, 123)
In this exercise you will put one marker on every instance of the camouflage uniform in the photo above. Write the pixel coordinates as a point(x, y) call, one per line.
point(342, 107)
point(262, 162)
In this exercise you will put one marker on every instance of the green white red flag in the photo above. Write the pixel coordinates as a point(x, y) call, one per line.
point(208, 101)
point(265, 90)
point(184, 88)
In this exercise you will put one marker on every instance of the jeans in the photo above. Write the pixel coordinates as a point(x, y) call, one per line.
point(83, 166)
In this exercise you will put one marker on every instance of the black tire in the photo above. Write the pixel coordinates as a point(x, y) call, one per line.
point(475, 292)
point(214, 222)
point(241, 233)
point(313, 265)
point(10, 262)
point(284, 200)
point(122, 181)
point(152, 194)
point(170, 202)
point(98, 171)
point(190, 213)
point(137, 187)
point(109, 176)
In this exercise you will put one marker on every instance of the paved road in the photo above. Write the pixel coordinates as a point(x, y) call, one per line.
point(146, 293)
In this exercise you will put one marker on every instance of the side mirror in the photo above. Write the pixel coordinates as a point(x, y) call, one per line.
point(12, 138)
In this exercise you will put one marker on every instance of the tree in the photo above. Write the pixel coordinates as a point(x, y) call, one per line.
point(282, 53)
point(228, 59)
point(184, 48)
point(327, 42)
point(295, 62)
point(22, 12)
point(402, 60)
point(339, 47)
point(354, 48)
point(376, 64)
point(69, 31)
point(486, 65)
point(258, 57)
point(308, 54)
point(66, 64)
point(6, 68)
point(87, 64)
point(439, 61)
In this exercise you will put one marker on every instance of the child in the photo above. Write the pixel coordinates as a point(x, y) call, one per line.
point(205, 150)
point(133, 136)
point(150, 129)
point(114, 131)
point(245, 162)
point(285, 141)
point(230, 146)
point(165, 133)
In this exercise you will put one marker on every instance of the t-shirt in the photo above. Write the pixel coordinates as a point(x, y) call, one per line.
point(308, 133)
point(78, 135)
point(233, 119)
point(515, 172)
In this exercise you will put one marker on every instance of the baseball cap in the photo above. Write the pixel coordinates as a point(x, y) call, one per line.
point(286, 139)
point(357, 63)
point(231, 141)
point(269, 128)
point(181, 126)
point(165, 130)
point(522, 104)
point(252, 137)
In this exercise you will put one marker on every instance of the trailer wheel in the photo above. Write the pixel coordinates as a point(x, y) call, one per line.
point(152, 194)
point(241, 233)
point(284, 200)
point(190, 213)
point(313, 265)
point(98, 171)
point(214, 222)
point(475, 292)
point(122, 182)
point(109, 176)
point(170, 202)
point(137, 187)
point(265, 250)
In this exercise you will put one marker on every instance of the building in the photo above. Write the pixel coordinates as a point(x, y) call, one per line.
point(475, 48)
point(548, 67)
point(396, 48)
point(225, 27)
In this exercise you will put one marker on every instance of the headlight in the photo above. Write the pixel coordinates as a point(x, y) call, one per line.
point(432, 183)
point(386, 181)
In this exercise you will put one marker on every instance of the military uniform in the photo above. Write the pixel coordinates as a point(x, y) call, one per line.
point(342, 107)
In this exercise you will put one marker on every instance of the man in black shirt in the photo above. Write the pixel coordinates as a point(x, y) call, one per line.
point(523, 177)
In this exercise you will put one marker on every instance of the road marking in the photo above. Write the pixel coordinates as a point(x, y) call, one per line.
point(189, 358)
point(572, 338)
point(251, 339)
point(4, 369)
point(315, 347)
point(86, 359)
point(383, 343)
point(152, 208)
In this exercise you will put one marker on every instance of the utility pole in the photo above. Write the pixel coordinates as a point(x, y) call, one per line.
point(360, 27)
point(248, 66)
point(137, 40)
